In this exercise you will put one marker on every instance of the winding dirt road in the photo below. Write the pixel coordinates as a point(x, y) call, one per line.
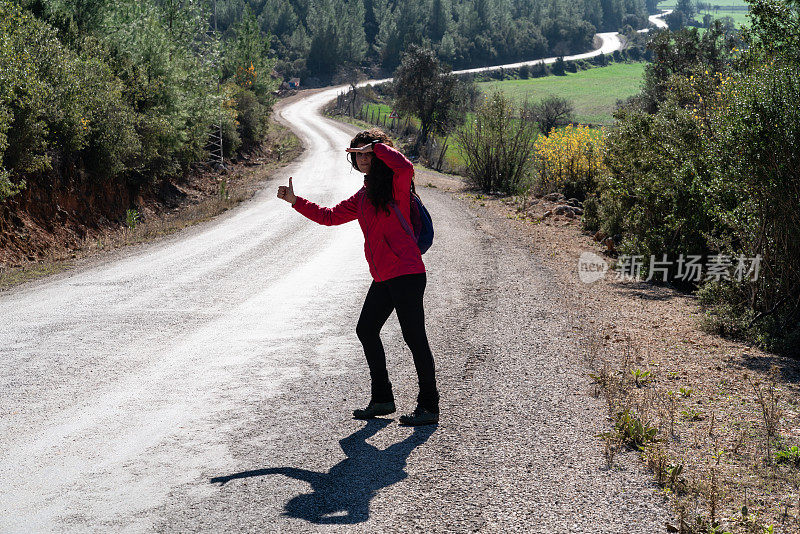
point(204, 383)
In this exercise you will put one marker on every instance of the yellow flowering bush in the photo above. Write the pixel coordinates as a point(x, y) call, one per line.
point(568, 160)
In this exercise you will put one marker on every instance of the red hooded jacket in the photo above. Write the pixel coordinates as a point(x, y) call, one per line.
point(389, 249)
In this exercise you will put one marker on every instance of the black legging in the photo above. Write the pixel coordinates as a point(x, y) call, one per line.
point(404, 295)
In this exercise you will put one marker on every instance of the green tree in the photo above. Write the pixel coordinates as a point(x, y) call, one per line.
point(324, 52)
point(683, 14)
point(247, 58)
point(168, 81)
point(351, 27)
point(549, 113)
point(559, 68)
point(774, 31)
point(423, 87)
point(71, 18)
point(440, 20)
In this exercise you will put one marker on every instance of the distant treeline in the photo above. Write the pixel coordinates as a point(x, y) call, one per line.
point(322, 37)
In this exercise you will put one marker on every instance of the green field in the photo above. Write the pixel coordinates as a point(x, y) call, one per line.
point(719, 9)
point(594, 92)
point(669, 4)
point(740, 18)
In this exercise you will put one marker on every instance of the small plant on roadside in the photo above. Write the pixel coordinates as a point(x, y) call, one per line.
point(223, 190)
point(715, 490)
point(610, 384)
point(611, 443)
point(641, 378)
point(632, 431)
point(789, 455)
point(281, 149)
point(686, 392)
point(690, 414)
point(768, 398)
point(132, 218)
point(674, 479)
point(657, 460)
point(672, 407)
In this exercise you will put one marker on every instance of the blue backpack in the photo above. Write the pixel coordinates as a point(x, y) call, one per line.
point(421, 228)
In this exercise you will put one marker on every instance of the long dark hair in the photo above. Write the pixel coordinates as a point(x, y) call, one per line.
point(379, 179)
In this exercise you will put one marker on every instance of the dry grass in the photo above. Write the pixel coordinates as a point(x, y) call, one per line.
point(208, 195)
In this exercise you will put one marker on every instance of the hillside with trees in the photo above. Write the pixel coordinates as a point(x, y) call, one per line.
point(319, 39)
point(101, 100)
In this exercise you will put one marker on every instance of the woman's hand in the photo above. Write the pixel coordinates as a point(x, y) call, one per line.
point(287, 193)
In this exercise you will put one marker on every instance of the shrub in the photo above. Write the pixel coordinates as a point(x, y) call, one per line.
point(753, 148)
point(58, 106)
point(559, 68)
point(550, 112)
point(653, 194)
point(590, 220)
point(712, 170)
point(231, 141)
point(497, 146)
point(252, 119)
point(122, 92)
point(168, 82)
point(539, 70)
point(27, 47)
point(569, 160)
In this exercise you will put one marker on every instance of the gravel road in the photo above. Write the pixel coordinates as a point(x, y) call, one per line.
point(204, 383)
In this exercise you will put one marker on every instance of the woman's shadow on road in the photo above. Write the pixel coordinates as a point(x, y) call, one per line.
point(342, 495)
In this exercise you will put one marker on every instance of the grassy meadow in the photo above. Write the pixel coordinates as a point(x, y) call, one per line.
point(736, 9)
point(594, 92)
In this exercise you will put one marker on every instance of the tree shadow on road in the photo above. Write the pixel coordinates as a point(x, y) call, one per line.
point(342, 495)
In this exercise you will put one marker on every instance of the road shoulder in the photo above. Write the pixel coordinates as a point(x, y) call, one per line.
point(705, 395)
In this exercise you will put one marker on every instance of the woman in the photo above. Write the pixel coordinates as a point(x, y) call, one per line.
point(395, 264)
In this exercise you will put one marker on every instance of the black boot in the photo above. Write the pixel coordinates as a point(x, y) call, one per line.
point(420, 416)
point(375, 409)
